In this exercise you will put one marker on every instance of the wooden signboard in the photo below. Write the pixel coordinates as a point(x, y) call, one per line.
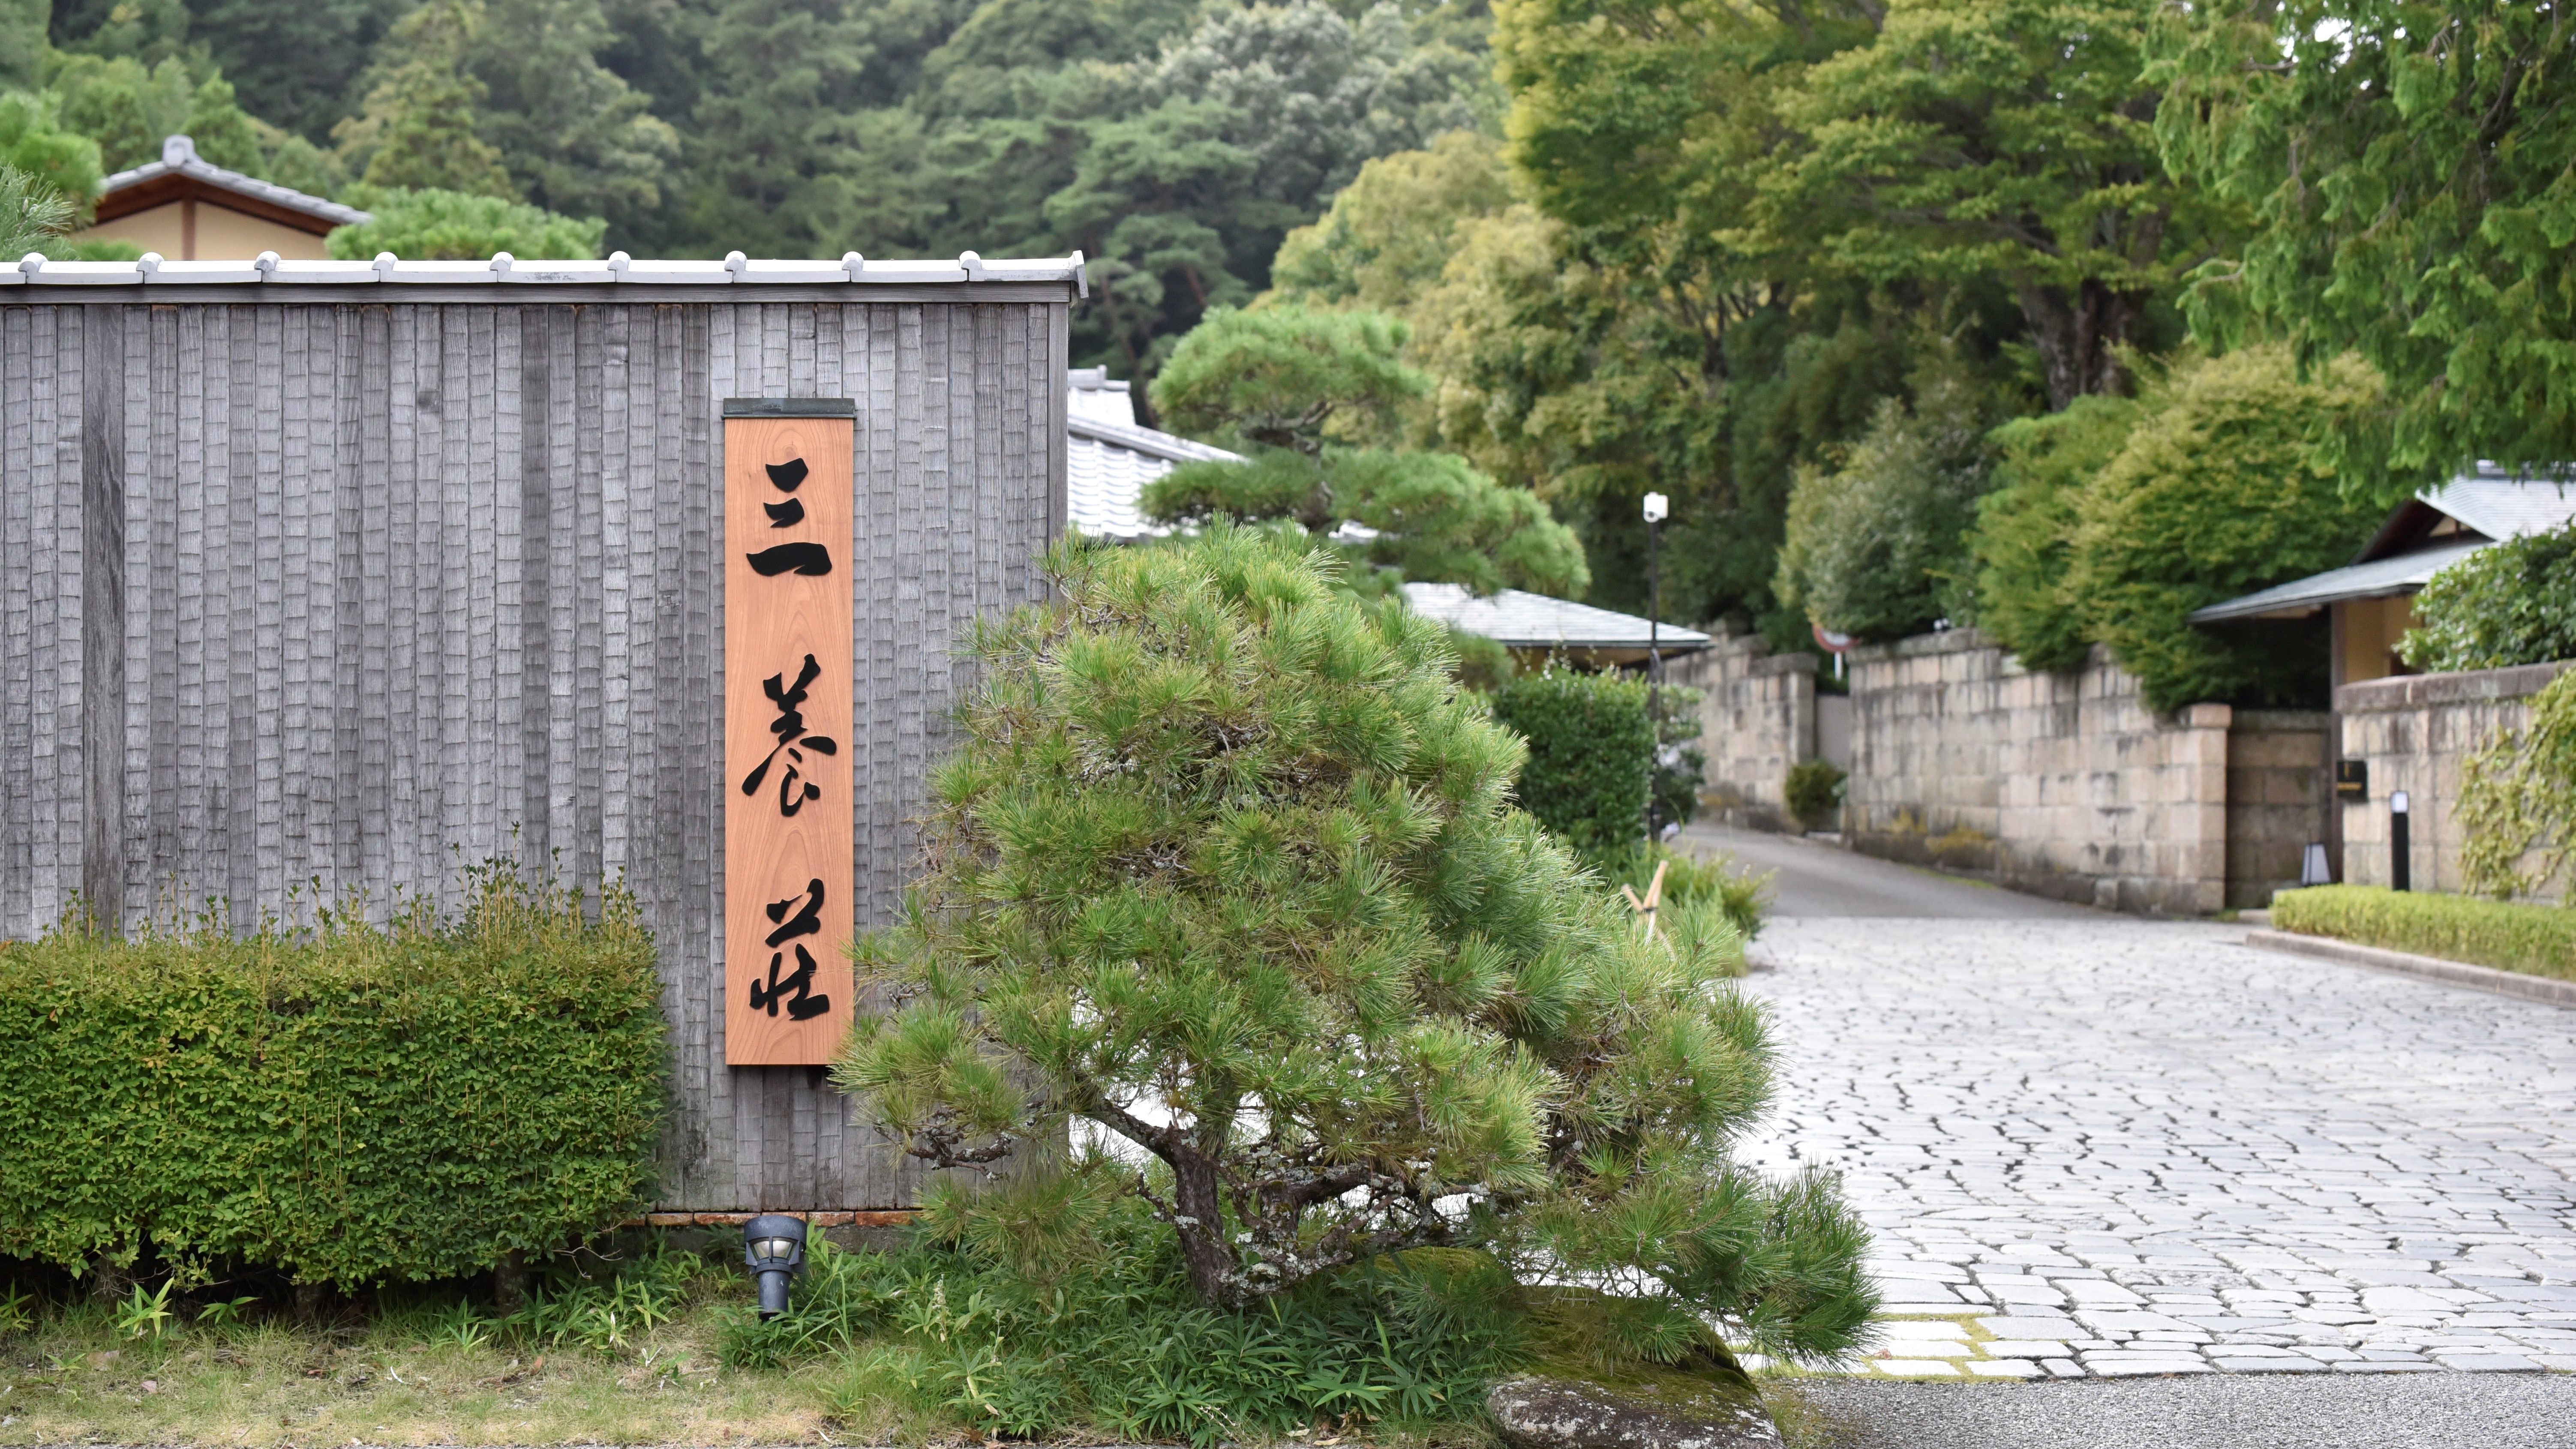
point(789, 821)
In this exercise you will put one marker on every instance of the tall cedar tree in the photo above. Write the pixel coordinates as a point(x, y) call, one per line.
point(1225, 869)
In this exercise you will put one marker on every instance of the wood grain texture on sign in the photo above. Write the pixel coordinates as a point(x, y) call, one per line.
point(789, 821)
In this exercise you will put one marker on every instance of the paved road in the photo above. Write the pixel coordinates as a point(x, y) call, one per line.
point(2110, 1147)
point(2134, 1184)
point(2417, 1411)
point(1810, 878)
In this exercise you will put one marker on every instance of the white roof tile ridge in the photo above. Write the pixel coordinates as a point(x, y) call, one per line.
point(179, 155)
point(1147, 440)
point(618, 270)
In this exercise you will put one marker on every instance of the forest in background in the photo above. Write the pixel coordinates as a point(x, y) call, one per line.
point(2057, 317)
point(1172, 143)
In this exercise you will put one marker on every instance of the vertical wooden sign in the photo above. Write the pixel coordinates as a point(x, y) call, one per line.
point(789, 816)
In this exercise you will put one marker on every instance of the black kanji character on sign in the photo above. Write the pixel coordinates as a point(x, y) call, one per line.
point(797, 991)
point(810, 560)
point(793, 788)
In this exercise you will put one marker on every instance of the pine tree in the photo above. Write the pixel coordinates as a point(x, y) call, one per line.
point(1226, 872)
point(418, 128)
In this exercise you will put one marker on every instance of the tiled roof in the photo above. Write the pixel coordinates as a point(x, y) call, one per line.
point(2502, 504)
point(2404, 574)
point(2492, 503)
point(179, 158)
point(1518, 620)
point(1109, 459)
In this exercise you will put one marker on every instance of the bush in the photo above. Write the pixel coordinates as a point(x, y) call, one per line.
point(2518, 794)
point(1814, 791)
point(455, 226)
point(1591, 755)
point(2514, 603)
point(2025, 532)
point(2536, 940)
point(1877, 547)
point(350, 1103)
point(2213, 495)
point(1225, 875)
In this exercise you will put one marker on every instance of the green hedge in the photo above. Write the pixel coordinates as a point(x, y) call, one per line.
point(1591, 755)
point(350, 1104)
point(2537, 940)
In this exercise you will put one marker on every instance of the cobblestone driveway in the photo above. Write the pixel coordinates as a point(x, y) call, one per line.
point(2111, 1147)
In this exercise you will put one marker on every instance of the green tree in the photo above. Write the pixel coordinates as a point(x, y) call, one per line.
point(418, 129)
point(1224, 870)
point(2511, 604)
point(454, 226)
point(1877, 546)
point(2412, 171)
point(1284, 380)
point(54, 158)
point(1283, 377)
point(2024, 538)
point(1999, 138)
point(2215, 494)
point(298, 65)
point(22, 43)
point(571, 134)
point(130, 109)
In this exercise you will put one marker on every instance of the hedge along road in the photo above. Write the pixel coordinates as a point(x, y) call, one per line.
point(2134, 1183)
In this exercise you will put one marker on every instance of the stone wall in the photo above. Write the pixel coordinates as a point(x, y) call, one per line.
point(1757, 718)
point(2414, 732)
point(2279, 789)
point(2061, 784)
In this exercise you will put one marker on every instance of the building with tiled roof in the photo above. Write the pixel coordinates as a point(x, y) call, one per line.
point(187, 209)
point(2371, 601)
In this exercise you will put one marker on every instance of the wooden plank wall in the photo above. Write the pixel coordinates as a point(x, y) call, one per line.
point(351, 594)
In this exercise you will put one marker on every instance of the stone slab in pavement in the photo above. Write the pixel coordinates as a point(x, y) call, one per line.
point(2112, 1147)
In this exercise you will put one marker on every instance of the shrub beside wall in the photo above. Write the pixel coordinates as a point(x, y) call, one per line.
point(2538, 940)
point(1591, 755)
point(351, 1104)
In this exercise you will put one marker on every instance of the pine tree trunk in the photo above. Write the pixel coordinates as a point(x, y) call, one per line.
point(1200, 1222)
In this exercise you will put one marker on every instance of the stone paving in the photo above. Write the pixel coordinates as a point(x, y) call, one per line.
point(2111, 1147)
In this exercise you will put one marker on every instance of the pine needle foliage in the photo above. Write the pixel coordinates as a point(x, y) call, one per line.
point(1225, 875)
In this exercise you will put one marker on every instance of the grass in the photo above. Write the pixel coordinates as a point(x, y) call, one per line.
point(920, 1345)
point(2535, 940)
point(396, 1380)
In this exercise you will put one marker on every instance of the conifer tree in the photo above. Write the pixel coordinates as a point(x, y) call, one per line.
point(418, 128)
point(1225, 871)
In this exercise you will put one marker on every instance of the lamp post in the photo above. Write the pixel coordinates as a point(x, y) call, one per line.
point(2400, 868)
point(1658, 508)
point(773, 1248)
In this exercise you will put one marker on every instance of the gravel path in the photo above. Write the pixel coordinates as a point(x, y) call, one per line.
point(2098, 1147)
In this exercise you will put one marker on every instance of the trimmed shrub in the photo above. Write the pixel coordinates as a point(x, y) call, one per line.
point(1591, 755)
point(430, 225)
point(2213, 495)
point(351, 1103)
point(2536, 940)
point(2025, 533)
point(1814, 791)
point(2511, 604)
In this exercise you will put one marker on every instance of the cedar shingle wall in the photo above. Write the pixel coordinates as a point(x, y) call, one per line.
point(354, 592)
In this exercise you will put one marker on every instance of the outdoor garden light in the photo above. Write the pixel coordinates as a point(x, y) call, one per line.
point(2400, 853)
point(1658, 507)
point(2313, 868)
point(773, 1247)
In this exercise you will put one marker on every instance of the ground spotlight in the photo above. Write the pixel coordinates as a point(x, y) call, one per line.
point(773, 1247)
